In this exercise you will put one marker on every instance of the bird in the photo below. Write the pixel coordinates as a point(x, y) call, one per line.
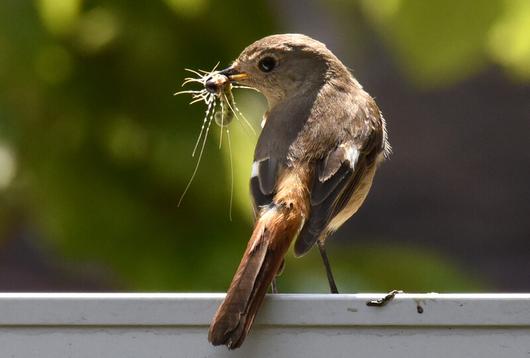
point(322, 139)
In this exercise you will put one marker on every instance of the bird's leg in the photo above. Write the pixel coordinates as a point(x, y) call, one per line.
point(331, 280)
point(274, 286)
point(383, 301)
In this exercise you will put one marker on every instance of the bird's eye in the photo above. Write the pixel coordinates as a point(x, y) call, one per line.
point(267, 64)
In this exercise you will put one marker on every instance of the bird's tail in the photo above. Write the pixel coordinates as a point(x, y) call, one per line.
point(273, 233)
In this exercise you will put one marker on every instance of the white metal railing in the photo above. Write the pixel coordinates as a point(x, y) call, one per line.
point(289, 325)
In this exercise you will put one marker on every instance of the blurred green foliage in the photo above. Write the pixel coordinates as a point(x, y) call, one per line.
point(441, 42)
point(95, 152)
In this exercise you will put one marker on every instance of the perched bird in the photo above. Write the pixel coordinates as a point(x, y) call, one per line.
point(322, 140)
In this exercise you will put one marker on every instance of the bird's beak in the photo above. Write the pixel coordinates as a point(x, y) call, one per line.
point(234, 74)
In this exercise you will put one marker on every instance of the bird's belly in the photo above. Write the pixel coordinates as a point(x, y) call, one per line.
point(355, 201)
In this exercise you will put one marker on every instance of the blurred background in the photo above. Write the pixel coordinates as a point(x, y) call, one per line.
point(95, 151)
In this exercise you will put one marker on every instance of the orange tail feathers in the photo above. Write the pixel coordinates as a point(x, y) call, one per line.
point(271, 238)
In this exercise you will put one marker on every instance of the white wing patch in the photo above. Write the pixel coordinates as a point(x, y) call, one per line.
point(333, 162)
point(255, 169)
point(352, 155)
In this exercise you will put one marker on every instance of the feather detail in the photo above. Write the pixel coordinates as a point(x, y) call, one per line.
point(273, 233)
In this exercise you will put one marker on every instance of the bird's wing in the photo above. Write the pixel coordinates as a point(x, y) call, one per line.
point(337, 176)
point(263, 182)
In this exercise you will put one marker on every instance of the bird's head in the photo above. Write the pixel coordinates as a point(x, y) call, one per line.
point(283, 66)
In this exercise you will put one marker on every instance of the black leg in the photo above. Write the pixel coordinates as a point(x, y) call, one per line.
point(383, 301)
point(331, 280)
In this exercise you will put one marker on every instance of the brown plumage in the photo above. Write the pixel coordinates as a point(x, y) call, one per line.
point(273, 233)
point(322, 141)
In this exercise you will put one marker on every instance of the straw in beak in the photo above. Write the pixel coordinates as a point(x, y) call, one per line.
point(234, 74)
